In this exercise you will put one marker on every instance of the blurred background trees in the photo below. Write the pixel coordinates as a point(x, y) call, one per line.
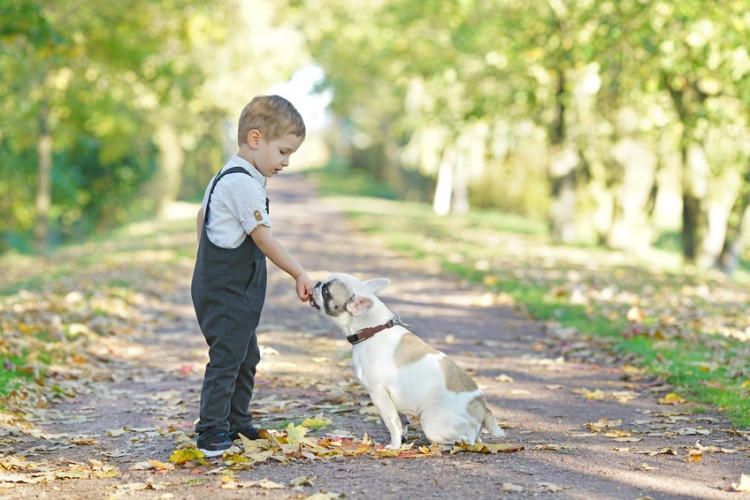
point(614, 121)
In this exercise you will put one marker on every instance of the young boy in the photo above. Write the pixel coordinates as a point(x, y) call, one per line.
point(229, 280)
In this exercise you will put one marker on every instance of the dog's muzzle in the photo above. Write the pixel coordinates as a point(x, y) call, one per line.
point(314, 304)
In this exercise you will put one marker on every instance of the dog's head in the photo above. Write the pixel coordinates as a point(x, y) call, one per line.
point(342, 297)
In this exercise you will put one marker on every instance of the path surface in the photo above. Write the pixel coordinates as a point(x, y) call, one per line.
point(148, 384)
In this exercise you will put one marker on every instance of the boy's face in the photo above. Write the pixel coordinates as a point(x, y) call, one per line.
point(271, 157)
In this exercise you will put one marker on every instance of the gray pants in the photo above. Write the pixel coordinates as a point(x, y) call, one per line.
point(228, 291)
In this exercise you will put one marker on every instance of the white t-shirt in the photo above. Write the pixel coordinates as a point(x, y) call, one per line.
point(238, 205)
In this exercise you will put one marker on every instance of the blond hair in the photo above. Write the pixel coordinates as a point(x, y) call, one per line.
point(273, 116)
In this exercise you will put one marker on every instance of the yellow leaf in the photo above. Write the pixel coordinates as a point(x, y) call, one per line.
point(161, 465)
point(317, 422)
point(180, 457)
point(103, 474)
point(257, 458)
point(296, 435)
point(672, 399)
point(596, 395)
point(743, 485)
point(617, 433)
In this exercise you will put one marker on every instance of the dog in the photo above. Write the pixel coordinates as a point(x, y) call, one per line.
point(402, 374)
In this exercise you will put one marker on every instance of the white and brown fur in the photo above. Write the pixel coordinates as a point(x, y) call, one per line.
point(402, 374)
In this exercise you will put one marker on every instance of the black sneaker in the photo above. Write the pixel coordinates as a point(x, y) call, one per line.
point(249, 432)
point(213, 445)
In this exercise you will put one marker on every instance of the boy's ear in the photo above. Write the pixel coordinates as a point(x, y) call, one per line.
point(253, 138)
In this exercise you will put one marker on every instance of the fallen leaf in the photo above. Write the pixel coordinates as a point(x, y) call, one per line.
point(672, 399)
point(744, 484)
point(549, 487)
point(180, 457)
point(645, 467)
point(303, 481)
point(596, 395)
point(512, 488)
point(262, 483)
point(603, 424)
point(317, 422)
point(663, 451)
point(161, 465)
point(480, 447)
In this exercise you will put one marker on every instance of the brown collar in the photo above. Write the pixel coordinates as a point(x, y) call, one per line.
point(366, 333)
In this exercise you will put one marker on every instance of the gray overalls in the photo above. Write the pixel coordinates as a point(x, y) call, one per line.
point(228, 290)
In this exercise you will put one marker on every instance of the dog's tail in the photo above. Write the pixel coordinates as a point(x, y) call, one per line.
point(490, 424)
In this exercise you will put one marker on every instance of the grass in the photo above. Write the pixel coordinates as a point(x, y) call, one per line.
point(12, 370)
point(687, 328)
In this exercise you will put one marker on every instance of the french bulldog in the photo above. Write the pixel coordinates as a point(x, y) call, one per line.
point(402, 374)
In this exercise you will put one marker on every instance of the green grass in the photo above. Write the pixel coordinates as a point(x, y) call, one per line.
point(12, 370)
point(512, 255)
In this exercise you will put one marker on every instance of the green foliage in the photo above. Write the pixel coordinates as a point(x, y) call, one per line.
point(13, 369)
point(337, 178)
point(492, 91)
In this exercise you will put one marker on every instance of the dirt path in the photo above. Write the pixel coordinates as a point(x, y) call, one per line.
point(588, 430)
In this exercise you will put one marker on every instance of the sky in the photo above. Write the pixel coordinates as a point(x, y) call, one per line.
point(299, 90)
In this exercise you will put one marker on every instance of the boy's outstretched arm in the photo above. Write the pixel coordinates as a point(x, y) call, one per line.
point(274, 250)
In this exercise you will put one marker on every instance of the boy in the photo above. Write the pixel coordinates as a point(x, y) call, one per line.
point(229, 280)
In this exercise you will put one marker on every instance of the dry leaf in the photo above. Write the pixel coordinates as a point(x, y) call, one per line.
point(180, 457)
point(672, 399)
point(603, 424)
point(161, 465)
point(744, 484)
point(512, 488)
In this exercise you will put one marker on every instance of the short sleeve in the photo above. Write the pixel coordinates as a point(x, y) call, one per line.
point(246, 200)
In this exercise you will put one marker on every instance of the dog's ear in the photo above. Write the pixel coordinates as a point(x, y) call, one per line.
point(359, 304)
point(378, 284)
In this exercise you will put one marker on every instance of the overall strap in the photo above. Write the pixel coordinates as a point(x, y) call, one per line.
point(219, 176)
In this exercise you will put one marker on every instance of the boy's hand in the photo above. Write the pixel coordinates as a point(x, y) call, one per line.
point(304, 287)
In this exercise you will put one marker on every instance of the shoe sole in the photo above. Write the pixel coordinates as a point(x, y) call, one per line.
point(218, 453)
point(236, 435)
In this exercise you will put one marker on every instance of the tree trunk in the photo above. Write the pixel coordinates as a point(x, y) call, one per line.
point(564, 162)
point(731, 251)
point(165, 186)
point(44, 178)
point(460, 202)
point(441, 204)
point(391, 167)
point(563, 166)
point(694, 211)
